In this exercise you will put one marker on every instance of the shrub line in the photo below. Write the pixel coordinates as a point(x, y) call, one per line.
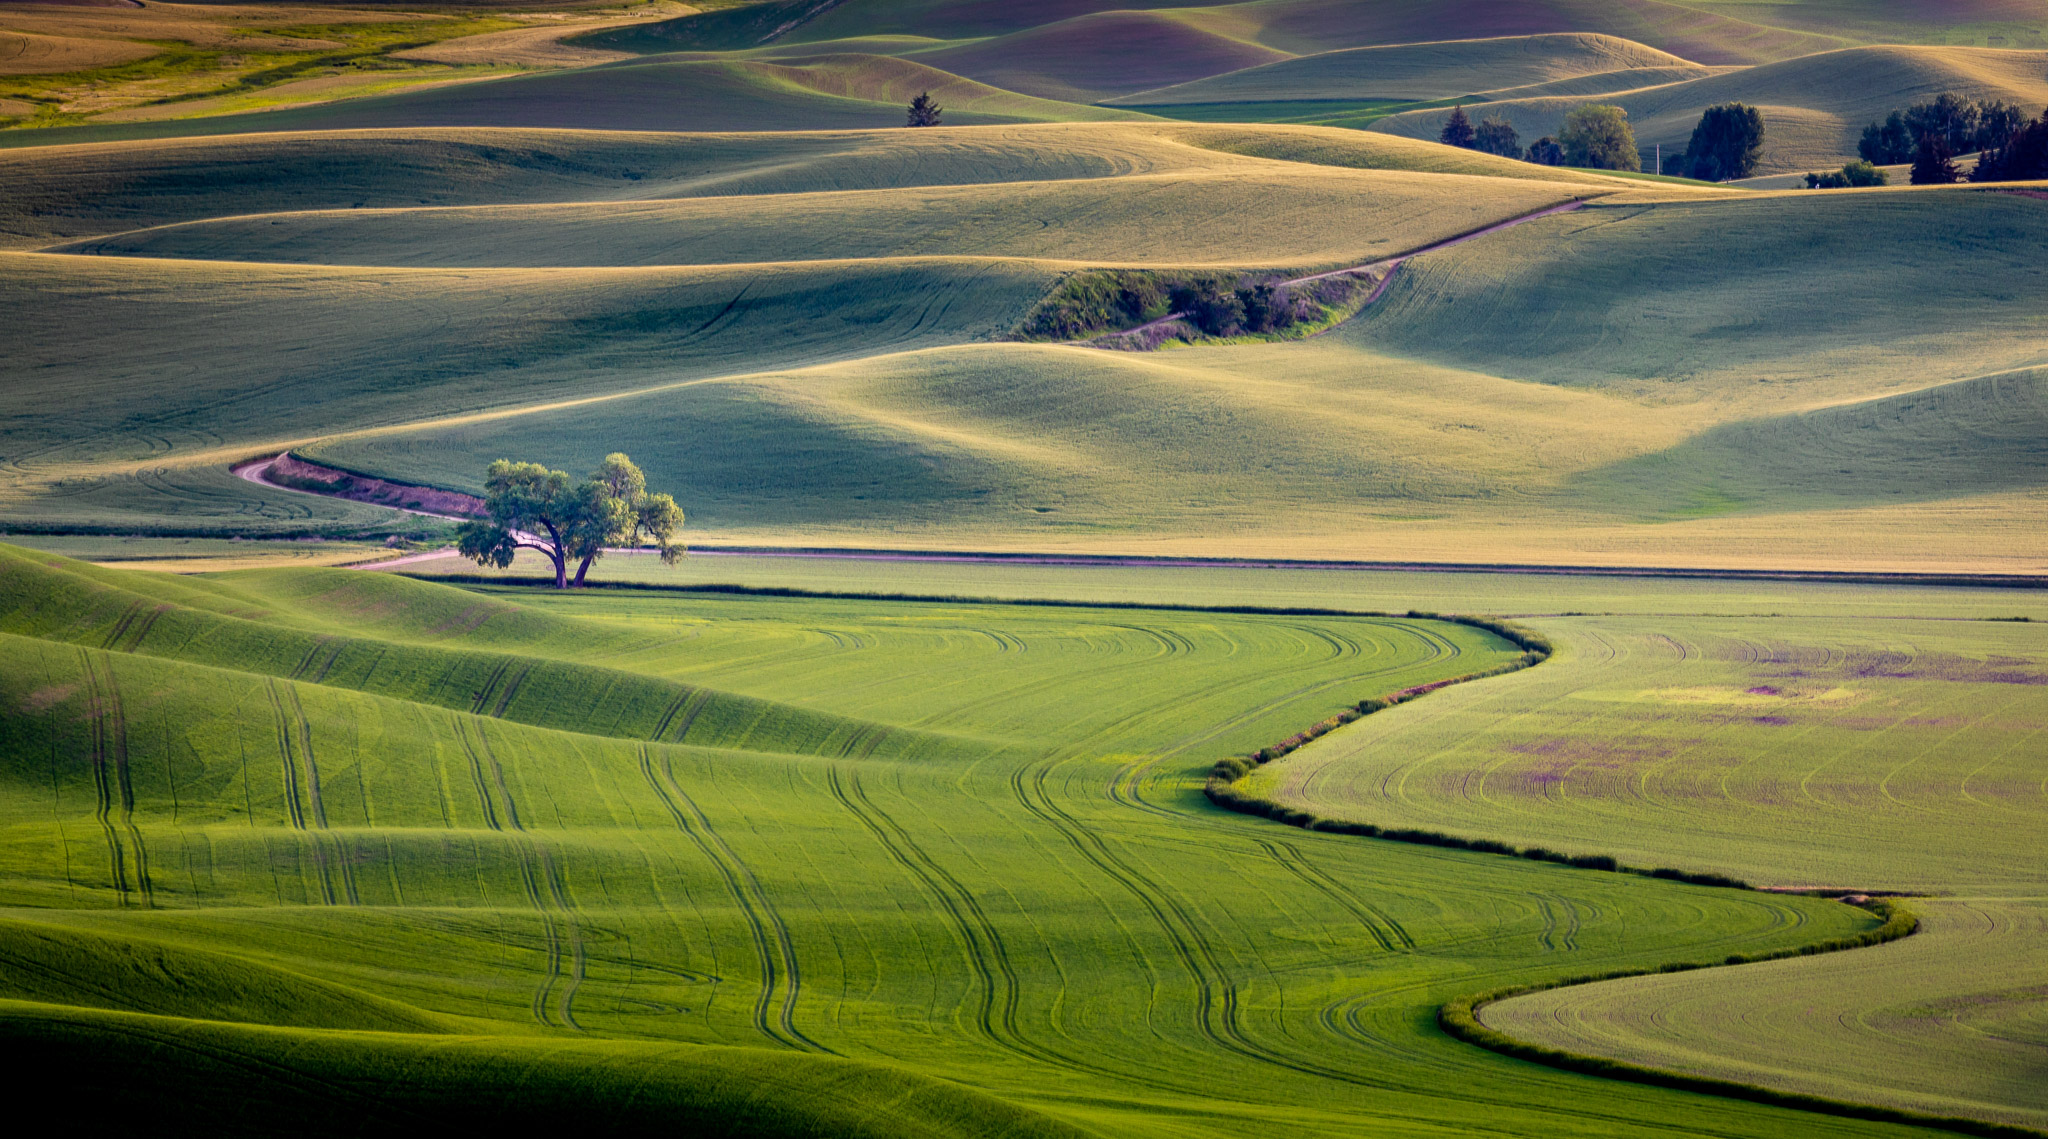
point(928, 598)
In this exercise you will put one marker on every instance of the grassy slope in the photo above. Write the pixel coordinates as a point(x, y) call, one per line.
point(1981, 435)
point(80, 191)
point(1867, 753)
point(681, 93)
point(1814, 107)
point(296, 351)
point(600, 329)
point(1983, 23)
point(1306, 26)
point(1418, 71)
point(545, 885)
point(1105, 54)
point(1717, 301)
point(1051, 445)
point(921, 443)
point(1244, 213)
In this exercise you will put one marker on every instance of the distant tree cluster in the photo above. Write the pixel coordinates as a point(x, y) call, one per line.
point(2023, 157)
point(1951, 122)
point(1594, 135)
point(1857, 173)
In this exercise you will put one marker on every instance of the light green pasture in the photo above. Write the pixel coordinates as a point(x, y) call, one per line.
point(962, 840)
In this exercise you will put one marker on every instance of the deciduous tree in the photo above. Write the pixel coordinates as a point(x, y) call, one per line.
point(1497, 136)
point(1545, 152)
point(1726, 144)
point(533, 508)
point(1598, 136)
point(1888, 143)
point(1949, 115)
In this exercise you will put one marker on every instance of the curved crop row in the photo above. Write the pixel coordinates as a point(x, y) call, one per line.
point(1222, 790)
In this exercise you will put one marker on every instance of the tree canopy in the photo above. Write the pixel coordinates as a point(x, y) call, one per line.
point(1497, 136)
point(2022, 157)
point(1934, 163)
point(924, 112)
point(1963, 125)
point(1726, 144)
point(1597, 136)
point(533, 508)
point(1545, 152)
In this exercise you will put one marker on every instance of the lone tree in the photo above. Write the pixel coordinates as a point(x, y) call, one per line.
point(1545, 152)
point(1497, 136)
point(1458, 130)
point(1597, 136)
point(923, 111)
point(534, 508)
point(1934, 163)
point(1726, 144)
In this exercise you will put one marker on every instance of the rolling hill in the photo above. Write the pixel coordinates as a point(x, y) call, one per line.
point(624, 928)
point(1814, 107)
point(1104, 54)
point(1421, 71)
point(886, 833)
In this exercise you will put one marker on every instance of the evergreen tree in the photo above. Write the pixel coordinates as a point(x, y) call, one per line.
point(1934, 163)
point(1545, 152)
point(923, 111)
point(1458, 130)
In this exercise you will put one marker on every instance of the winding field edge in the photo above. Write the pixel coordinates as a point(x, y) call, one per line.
point(1459, 1018)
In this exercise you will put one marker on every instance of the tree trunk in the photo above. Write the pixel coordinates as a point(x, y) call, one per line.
point(582, 568)
point(557, 554)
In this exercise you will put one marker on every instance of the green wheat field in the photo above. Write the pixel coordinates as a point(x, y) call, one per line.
point(1577, 670)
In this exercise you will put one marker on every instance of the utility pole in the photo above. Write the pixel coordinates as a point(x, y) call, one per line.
point(1660, 159)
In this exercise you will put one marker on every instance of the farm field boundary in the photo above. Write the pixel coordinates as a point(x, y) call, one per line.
point(1460, 1019)
point(1459, 1016)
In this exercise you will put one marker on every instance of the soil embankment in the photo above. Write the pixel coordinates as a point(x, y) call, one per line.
point(293, 473)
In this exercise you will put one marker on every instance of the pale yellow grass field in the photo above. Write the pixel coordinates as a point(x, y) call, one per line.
point(1435, 70)
point(26, 53)
point(1259, 214)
